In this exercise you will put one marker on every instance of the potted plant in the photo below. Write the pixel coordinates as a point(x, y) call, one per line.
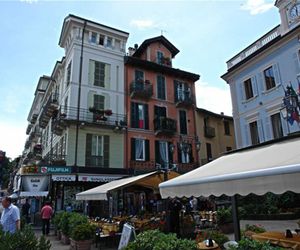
point(64, 225)
point(82, 236)
point(224, 220)
point(56, 221)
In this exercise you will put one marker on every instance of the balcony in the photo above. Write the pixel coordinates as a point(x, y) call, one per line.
point(141, 89)
point(33, 118)
point(28, 128)
point(166, 61)
point(164, 126)
point(186, 167)
point(209, 132)
point(143, 166)
point(55, 159)
point(184, 99)
point(48, 109)
point(35, 134)
point(87, 117)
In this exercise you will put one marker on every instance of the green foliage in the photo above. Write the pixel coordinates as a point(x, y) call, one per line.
point(84, 231)
point(156, 240)
point(74, 220)
point(57, 219)
point(247, 244)
point(64, 223)
point(255, 228)
point(224, 215)
point(217, 236)
point(24, 239)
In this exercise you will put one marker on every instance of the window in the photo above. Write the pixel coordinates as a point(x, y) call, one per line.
point(182, 121)
point(182, 91)
point(160, 57)
point(94, 37)
point(99, 73)
point(248, 89)
point(208, 152)
point(226, 128)
point(109, 42)
point(101, 39)
point(69, 72)
point(269, 78)
point(97, 150)
point(160, 111)
point(254, 133)
point(276, 126)
point(139, 149)
point(185, 153)
point(163, 156)
point(161, 87)
point(139, 115)
point(139, 76)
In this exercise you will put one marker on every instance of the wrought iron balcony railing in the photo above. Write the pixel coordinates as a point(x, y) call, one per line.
point(141, 89)
point(164, 126)
point(48, 109)
point(184, 99)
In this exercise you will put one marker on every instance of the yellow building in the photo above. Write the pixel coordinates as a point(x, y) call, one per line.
point(216, 133)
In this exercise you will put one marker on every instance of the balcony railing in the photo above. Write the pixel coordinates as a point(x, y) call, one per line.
point(164, 126)
point(55, 159)
point(184, 99)
point(141, 89)
point(166, 61)
point(33, 118)
point(144, 166)
point(28, 128)
point(186, 167)
point(209, 132)
point(86, 117)
point(47, 112)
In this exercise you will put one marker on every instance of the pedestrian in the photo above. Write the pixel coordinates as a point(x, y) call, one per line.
point(46, 214)
point(174, 209)
point(69, 208)
point(25, 210)
point(10, 217)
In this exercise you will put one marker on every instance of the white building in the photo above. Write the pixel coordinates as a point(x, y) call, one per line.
point(258, 77)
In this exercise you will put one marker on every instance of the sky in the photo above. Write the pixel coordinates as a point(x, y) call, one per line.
point(207, 33)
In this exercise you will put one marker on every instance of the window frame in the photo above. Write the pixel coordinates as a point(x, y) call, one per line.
point(278, 133)
point(254, 133)
point(269, 83)
point(160, 88)
point(248, 88)
point(144, 150)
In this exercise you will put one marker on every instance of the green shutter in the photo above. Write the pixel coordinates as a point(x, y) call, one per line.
point(175, 91)
point(146, 115)
point(132, 149)
point(147, 150)
point(106, 151)
point(99, 101)
point(107, 76)
point(88, 149)
point(91, 72)
point(182, 121)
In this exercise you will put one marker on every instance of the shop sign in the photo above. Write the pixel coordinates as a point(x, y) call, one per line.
point(30, 170)
point(35, 183)
point(55, 170)
point(97, 178)
point(64, 177)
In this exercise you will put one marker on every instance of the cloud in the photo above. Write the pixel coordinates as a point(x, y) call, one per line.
point(257, 6)
point(13, 138)
point(29, 1)
point(142, 24)
point(213, 98)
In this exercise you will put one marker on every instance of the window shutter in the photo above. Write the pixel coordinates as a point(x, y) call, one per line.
point(91, 72)
point(175, 91)
point(107, 76)
point(99, 101)
point(106, 151)
point(179, 154)
point(191, 155)
point(132, 148)
point(88, 149)
point(147, 150)
point(146, 115)
point(170, 154)
point(296, 62)
point(254, 86)
point(277, 74)
point(161, 87)
point(157, 154)
point(268, 128)
point(134, 115)
point(261, 82)
point(182, 121)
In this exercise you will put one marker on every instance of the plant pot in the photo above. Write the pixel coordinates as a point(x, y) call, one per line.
point(81, 244)
point(65, 239)
point(58, 236)
point(226, 228)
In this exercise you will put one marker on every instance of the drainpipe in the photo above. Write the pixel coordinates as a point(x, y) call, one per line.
point(79, 94)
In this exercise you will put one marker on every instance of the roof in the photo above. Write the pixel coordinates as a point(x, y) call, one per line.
point(88, 21)
point(174, 51)
point(269, 167)
point(260, 50)
point(160, 68)
point(220, 116)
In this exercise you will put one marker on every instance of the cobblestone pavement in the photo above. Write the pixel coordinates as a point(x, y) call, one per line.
point(268, 225)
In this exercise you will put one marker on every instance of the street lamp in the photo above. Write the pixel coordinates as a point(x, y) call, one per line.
point(197, 143)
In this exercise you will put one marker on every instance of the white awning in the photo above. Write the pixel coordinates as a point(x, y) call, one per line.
point(268, 168)
point(33, 193)
point(150, 180)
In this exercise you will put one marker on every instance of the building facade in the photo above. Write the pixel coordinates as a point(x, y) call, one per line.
point(78, 118)
point(160, 103)
point(216, 133)
point(264, 79)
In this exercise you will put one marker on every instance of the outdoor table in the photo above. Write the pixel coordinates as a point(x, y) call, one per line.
point(278, 238)
point(201, 245)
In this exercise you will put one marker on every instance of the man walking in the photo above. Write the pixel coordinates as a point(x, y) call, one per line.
point(46, 214)
point(10, 217)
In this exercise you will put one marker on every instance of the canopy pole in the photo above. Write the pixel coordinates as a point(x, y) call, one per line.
point(235, 216)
